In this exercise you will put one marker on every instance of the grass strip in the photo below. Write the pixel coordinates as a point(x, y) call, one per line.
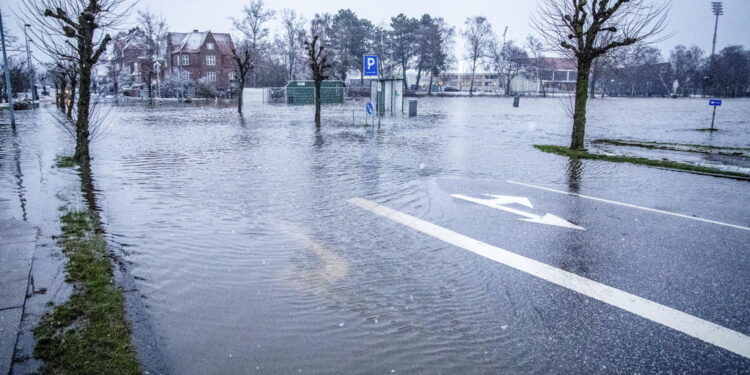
point(88, 334)
point(65, 162)
point(584, 154)
point(667, 145)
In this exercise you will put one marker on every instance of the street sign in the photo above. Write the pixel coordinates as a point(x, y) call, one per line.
point(715, 102)
point(369, 108)
point(370, 65)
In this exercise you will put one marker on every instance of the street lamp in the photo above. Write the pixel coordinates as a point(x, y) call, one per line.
point(718, 9)
point(31, 67)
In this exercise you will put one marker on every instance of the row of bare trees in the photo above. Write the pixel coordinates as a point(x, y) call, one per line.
point(74, 34)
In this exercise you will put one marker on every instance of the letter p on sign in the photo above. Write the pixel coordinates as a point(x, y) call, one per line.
point(370, 68)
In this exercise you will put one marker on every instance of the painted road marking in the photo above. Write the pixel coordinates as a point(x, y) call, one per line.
point(690, 325)
point(499, 202)
point(633, 206)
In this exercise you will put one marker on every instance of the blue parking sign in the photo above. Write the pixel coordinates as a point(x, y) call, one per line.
point(370, 65)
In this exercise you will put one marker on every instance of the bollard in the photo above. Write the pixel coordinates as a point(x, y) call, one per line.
point(412, 108)
point(516, 101)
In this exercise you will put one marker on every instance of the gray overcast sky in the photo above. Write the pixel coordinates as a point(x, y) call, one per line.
point(690, 20)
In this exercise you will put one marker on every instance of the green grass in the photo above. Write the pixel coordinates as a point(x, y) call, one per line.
point(671, 146)
point(65, 162)
point(584, 154)
point(88, 334)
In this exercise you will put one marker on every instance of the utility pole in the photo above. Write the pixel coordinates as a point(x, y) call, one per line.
point(31, 67)
point(8, 89)
point(718, 9)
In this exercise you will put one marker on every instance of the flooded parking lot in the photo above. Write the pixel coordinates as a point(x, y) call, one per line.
point(250, 258)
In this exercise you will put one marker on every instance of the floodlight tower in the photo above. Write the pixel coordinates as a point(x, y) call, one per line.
point(718, 9)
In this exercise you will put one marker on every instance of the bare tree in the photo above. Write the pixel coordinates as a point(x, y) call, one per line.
point(600, 67)
point(155, 32)
point(320, 65)
point(537, 65)
point(477, 34)
point(77, 26)
point(244, 65)
point(253, 25)
point(584, 30)
point(292, 40)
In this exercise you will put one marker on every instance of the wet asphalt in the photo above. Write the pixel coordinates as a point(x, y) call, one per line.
point(248, 258)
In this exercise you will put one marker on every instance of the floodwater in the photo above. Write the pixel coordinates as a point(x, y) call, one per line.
point(249, 259)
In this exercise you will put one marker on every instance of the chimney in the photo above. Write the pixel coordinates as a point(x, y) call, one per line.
point(195, 31)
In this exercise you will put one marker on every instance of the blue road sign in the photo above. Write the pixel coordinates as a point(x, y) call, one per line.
point(370, 65)
point(369, 108)
point(715, 102)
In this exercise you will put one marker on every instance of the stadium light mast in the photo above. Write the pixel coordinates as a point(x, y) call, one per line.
point(718, 9)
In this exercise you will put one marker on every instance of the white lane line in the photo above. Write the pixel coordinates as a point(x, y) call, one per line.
point(633, 206)
point(701, 329)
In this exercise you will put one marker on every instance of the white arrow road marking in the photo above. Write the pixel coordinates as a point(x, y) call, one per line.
point(499, 202)
point(634, 206)
point(704, 330)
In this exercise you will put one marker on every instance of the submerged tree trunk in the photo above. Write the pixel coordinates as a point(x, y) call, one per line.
point(579, 111)
point(429, 88)
point(82, 155)
point(317, 103)
point(471, 81)
point(240, 95)
point(71, 98)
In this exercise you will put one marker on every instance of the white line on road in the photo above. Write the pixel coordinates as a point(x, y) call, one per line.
point(701, 329)
point(633, 206)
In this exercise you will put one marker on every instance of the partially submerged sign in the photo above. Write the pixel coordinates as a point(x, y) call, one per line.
point(715, 102)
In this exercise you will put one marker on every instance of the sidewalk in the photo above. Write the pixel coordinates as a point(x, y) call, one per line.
point(17, 243)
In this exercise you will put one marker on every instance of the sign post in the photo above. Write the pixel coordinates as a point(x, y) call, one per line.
point(369, 110)
point(714, 103)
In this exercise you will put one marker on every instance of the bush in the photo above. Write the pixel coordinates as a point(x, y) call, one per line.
point(205, 89)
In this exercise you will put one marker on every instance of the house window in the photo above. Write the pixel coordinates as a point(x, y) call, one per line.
point(209, 46)
point(210, 60)
point(185, 59)
point(211, 76)
point(232, 76)
point(135, 67)
point(187, 75)
point(177, 59)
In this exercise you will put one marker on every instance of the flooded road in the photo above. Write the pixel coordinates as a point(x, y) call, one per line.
point(250, 259)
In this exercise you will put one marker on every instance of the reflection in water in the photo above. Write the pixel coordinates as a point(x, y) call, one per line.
point(574, 173)
point(19, 176)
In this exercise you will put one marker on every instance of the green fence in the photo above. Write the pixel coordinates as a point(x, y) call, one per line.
point(303, 92)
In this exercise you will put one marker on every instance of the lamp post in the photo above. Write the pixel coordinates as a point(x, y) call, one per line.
point(8, 89)
point(718, 10)
point(31, 67)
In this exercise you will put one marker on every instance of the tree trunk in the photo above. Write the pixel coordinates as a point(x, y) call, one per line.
point(471, 82)
point(541, 88)
point(403, 70)
point(429, 88)
point(72, 98)
point(240, 94)
point(592, 85)
point(579, 112)
point(317, 103)
point(82, 155)
point(150, 89)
